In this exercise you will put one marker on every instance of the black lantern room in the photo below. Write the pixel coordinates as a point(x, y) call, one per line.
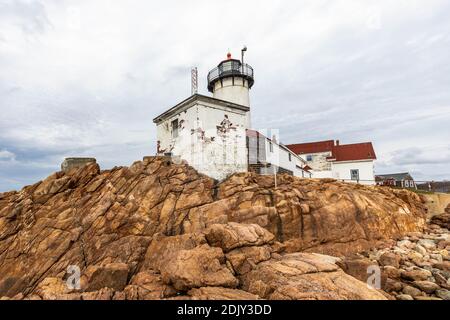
point(230, 68)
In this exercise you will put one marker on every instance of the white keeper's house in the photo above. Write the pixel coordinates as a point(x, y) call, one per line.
point(214, 133)
point(346, 162)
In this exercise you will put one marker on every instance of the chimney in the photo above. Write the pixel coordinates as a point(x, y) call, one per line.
point(337, 142)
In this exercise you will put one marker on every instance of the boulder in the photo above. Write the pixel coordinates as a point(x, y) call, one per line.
point(428, 244)
point(420, 249)
point(413, 292)
point(219, 293)
point(198, 267)
point(404, 297)
point(235, 235)
point(392, 286)
point(436, 257)
point(415, 256)
point(426, 286)
point(54, 289)
point(416, 274)
point(113, 276)
point(102, 294)
point(426, 298)
point(442, 220)
point(443, 244)
point(405, 244)
point(445, 266)
point(390, 259)
point(443, 294)
point(245, 259)
point(304, 277)
point(162, 249)
point(392, 272)
point(146, 285)
point(358, 267)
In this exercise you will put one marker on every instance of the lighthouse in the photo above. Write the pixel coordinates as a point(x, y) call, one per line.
point(231, 81)
point(214, 135)
point(208, 132)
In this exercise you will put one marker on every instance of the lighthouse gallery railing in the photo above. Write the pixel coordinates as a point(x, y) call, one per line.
point(230, 69)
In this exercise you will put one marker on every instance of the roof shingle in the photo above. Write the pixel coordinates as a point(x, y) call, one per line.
point(344, 152)
point(312, 147)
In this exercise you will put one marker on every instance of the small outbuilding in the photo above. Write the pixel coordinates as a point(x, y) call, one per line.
point(401, 180)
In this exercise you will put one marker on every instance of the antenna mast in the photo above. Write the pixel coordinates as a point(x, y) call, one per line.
point(194, 81)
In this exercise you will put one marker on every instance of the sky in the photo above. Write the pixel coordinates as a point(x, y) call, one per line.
point(86, 77)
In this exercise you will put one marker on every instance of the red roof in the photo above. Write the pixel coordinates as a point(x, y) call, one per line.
point(357, 151)
point(312, 147)
point(344, 152)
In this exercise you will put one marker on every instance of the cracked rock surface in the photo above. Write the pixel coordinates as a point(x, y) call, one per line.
point(158, 230)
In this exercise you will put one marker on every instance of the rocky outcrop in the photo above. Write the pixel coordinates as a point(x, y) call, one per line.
point(199, 267)
point(303, 276)
point(235, 235)
point(417, 267)
point(160, 230)
point(114, 276)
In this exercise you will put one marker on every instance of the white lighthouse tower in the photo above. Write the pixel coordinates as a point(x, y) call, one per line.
point(231, 81)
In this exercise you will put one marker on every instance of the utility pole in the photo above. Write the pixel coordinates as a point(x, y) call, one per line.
point(275, 175)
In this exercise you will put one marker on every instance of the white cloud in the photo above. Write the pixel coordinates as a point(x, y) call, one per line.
point(6, 155)
point(87, 77)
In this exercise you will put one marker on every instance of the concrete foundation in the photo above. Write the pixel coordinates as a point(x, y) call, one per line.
point(70, 163)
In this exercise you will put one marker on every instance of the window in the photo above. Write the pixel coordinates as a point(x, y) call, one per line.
point(309, 157)
point(175, 128)
point(407, 183)
point(290, 157)
point(271, 146)
point(354, 173)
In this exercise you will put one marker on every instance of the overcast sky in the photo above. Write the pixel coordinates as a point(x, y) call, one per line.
point(86, 77)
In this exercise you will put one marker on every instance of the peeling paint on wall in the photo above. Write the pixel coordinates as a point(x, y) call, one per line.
point(210, 138)
point(225, 127)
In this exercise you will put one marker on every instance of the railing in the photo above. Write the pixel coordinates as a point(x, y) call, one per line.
point(231, 68)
